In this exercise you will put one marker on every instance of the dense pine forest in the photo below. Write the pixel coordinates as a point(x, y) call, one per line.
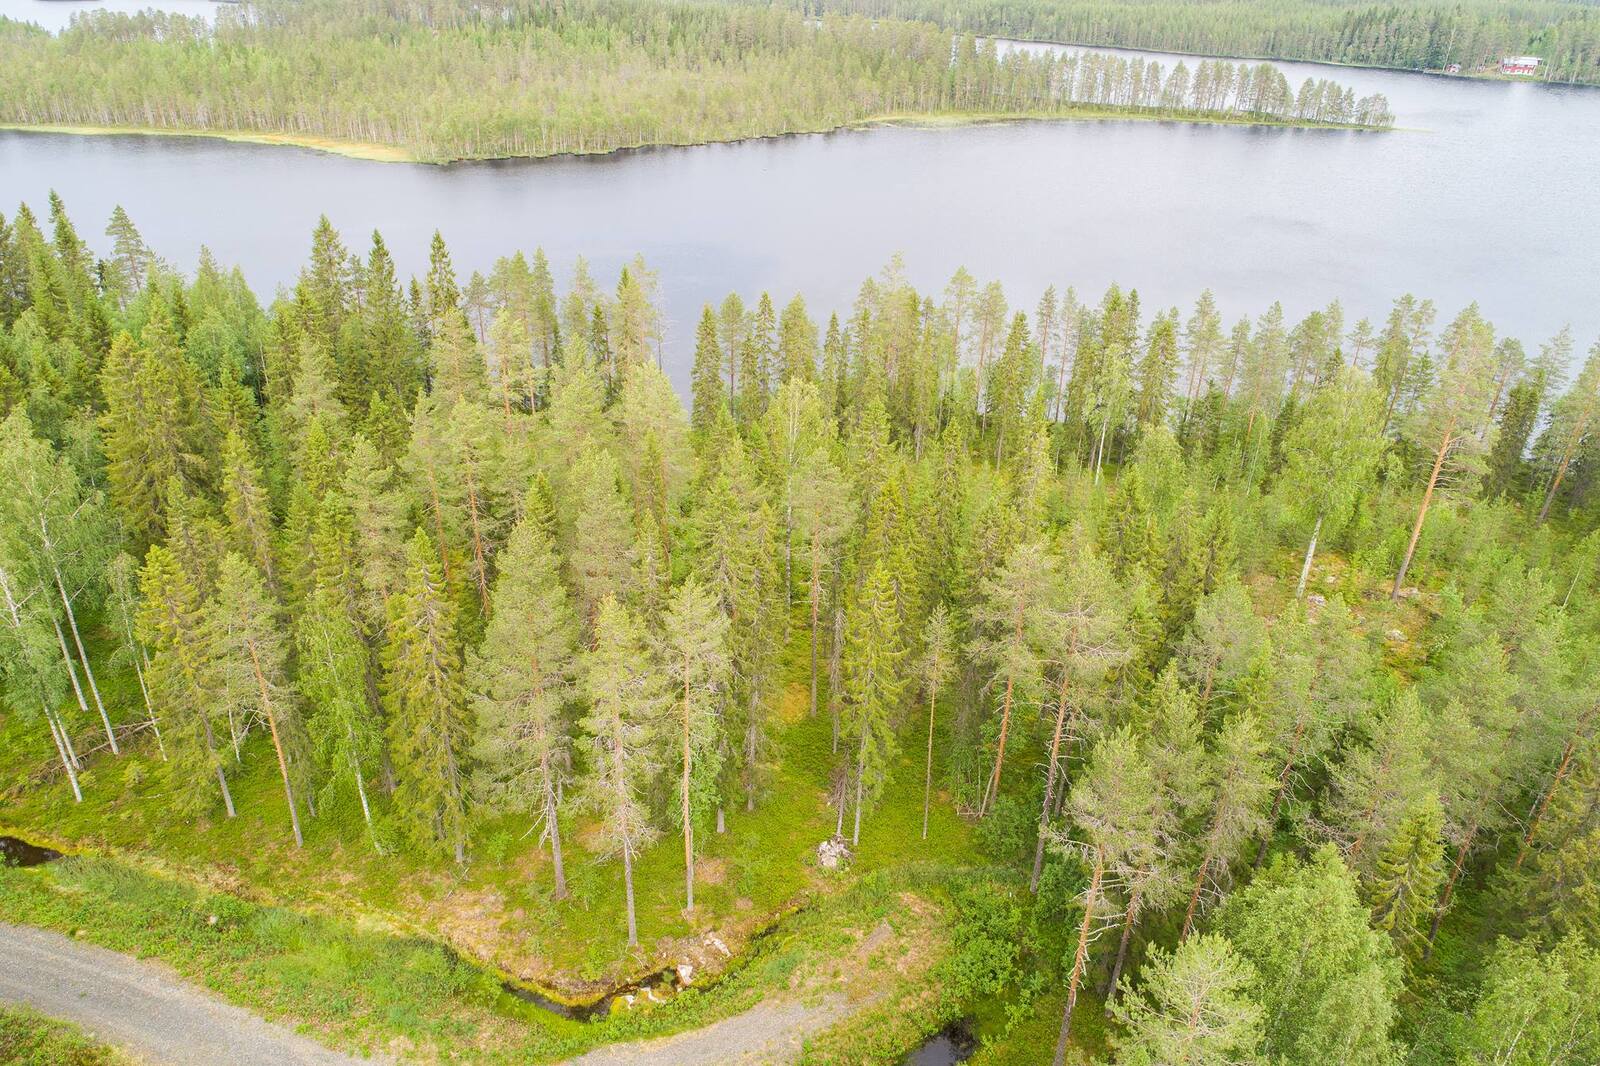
point(1414, 35)
point(516, 78)
point(1254, 661)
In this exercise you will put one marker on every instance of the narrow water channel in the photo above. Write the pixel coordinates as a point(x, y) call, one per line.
point(14, 851)
point(952, 1044)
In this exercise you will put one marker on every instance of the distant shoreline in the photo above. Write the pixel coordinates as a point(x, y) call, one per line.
point(383, 153)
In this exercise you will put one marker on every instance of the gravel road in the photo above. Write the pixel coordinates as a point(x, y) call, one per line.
point(143, 1007)
point(769, 1032)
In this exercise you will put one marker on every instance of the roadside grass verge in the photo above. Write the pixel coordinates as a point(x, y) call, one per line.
point(28, 1038)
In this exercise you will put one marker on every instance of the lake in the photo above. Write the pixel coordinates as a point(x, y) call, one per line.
point(1486, 193)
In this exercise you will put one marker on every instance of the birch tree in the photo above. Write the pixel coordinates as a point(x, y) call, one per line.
point(1331, 455)
point(250, 661)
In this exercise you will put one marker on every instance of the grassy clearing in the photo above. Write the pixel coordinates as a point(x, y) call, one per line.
point(498, 909)
point(28, 1038)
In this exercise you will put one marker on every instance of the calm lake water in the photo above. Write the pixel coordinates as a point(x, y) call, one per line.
point(1486, 193)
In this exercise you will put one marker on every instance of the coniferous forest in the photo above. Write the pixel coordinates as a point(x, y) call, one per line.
point(467, 80)
point(1244, 671)
point(1417, 35)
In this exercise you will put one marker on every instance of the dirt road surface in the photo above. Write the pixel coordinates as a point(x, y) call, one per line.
point(143, 1007)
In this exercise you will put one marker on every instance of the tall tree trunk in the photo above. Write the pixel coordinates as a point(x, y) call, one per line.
point(277, 744)
point(144, 690)
point(627, 884)
point(833, 669)
point(688, 822)
point(1311, 550)
point(750, 760)
point(861, 775)
point(1555, 482)
point(1100, 450)
point(83, 657)
point(1079, 957)
point(61, 749)
point(992, 792)
point(479, 552)
point(222, 778)
point(72, 671)
point(553, 826)
point(1130, 918)
point(1283, 790)
point(1449, 890)
point(927, 776)
point(1194, 897)
point(1422, 511)
point(1050, 783)
point(1544, 801)
point(816, 596)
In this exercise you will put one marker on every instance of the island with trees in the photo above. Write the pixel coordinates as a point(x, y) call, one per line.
point(515, 78)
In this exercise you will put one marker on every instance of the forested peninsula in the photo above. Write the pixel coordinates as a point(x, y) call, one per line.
point(466, 80)
point(1163, 679)
point(1473, 35)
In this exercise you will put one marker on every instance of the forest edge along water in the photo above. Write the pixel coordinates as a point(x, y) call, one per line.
point(1477, 208)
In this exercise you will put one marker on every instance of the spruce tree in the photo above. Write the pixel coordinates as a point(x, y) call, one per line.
point(1407, 876)
point(429, 721)
point(873, 683)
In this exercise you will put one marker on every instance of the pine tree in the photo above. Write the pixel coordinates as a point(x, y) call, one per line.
point(695, 658)
point(1452, 428)
point(1572, 420)
point(1013, 616)
point(524, 677)
point(1238, 786)
point(429, 721)
point(1085, 637)
point(1114, 809)
point(1194, 1007)
point(625, 701)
